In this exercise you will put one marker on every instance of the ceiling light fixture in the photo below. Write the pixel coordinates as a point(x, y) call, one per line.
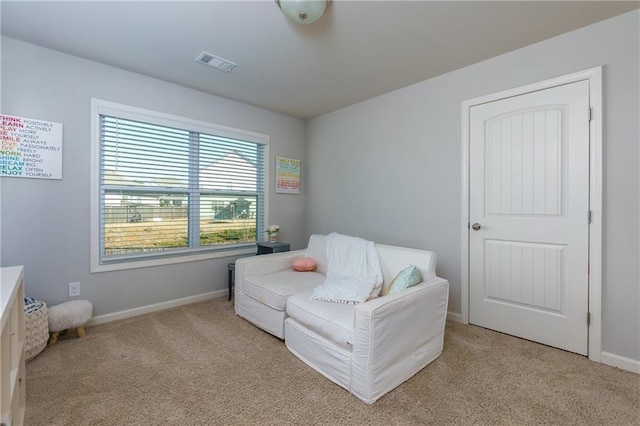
point(302, 11)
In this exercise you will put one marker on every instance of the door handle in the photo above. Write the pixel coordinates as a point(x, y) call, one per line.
point(476, 226)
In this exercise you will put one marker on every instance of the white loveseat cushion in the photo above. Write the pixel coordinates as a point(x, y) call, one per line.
point(334, 321)
point(317, 250)
point(395, 259)
point(274, 289)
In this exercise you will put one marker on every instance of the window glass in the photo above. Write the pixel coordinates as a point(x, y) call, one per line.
point(167, 191)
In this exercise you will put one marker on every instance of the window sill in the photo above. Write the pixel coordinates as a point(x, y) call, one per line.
point(96, 267)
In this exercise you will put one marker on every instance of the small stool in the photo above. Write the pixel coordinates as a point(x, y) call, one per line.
point(68, 315)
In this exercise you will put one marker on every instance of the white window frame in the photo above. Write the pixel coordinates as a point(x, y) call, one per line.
point(102, 107)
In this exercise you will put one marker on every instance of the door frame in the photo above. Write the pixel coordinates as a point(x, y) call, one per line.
point(594, 76)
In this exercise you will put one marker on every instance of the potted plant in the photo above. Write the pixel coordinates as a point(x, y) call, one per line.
point(272, 231)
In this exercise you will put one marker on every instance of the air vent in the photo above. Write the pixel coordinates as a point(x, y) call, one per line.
point(215, 62)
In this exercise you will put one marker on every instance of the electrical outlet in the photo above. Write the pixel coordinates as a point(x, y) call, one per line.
point(74, 289)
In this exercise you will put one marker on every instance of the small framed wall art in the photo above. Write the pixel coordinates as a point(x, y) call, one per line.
point(287, 175)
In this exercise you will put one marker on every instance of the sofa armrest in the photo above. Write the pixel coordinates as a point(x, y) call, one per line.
point(264, 264)
point(397, 335)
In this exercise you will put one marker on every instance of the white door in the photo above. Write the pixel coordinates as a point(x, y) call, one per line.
point(528, 210)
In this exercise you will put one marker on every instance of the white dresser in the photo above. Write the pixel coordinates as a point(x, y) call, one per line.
point(12, 370)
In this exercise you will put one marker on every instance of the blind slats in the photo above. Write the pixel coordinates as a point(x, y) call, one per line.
point(166, 191)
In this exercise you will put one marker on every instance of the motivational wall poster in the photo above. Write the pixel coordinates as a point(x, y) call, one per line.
point(287, 175)
point(30, 148)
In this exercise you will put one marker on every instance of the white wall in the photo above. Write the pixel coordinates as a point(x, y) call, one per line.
point(45, 223)
point(389, 169)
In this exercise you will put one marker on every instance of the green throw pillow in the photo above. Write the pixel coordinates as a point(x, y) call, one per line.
point(406, 278)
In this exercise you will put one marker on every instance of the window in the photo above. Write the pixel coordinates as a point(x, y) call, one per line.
point(169, 189)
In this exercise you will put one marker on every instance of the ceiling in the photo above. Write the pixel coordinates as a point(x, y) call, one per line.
point(356, 51)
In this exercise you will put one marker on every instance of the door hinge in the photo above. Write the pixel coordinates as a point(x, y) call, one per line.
point(588, 319)
point(590, 114)
point(589, 215)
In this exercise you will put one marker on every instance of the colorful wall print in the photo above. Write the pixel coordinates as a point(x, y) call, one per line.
point(287, 175)
point(30, 148)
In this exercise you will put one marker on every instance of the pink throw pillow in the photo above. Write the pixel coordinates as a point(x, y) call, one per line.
point(304, 264)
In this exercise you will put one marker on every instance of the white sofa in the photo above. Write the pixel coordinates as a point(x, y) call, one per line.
point(369, 348)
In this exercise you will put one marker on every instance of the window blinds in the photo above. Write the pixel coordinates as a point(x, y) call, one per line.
point(171, 191)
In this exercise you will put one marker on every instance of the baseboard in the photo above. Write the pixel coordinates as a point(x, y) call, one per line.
point(114, 316)
point(620, 362)
point(607, 358)
point(453, 316)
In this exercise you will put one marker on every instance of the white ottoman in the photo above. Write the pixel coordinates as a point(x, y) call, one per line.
point(68, 315)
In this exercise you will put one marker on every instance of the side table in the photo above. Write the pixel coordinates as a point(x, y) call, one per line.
point(267, 247)
point(231, 267)
point(264, 247)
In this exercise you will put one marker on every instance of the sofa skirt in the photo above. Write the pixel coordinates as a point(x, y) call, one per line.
point(260, 315)
point(324, 356)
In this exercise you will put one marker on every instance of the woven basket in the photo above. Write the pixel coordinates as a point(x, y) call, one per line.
point(36, 326)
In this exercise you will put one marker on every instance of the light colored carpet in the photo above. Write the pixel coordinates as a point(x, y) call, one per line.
point(202, 365)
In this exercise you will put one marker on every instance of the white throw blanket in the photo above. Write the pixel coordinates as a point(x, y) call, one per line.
point(353, 271)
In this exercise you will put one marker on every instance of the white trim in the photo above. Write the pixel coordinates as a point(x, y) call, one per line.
point(464, 217)
point(454, 316)
point(595, 205)
point(171, 260)
point(129, 313)
point(98, 106)
point(94, 247)
point(594, 76)
point(621, 362)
